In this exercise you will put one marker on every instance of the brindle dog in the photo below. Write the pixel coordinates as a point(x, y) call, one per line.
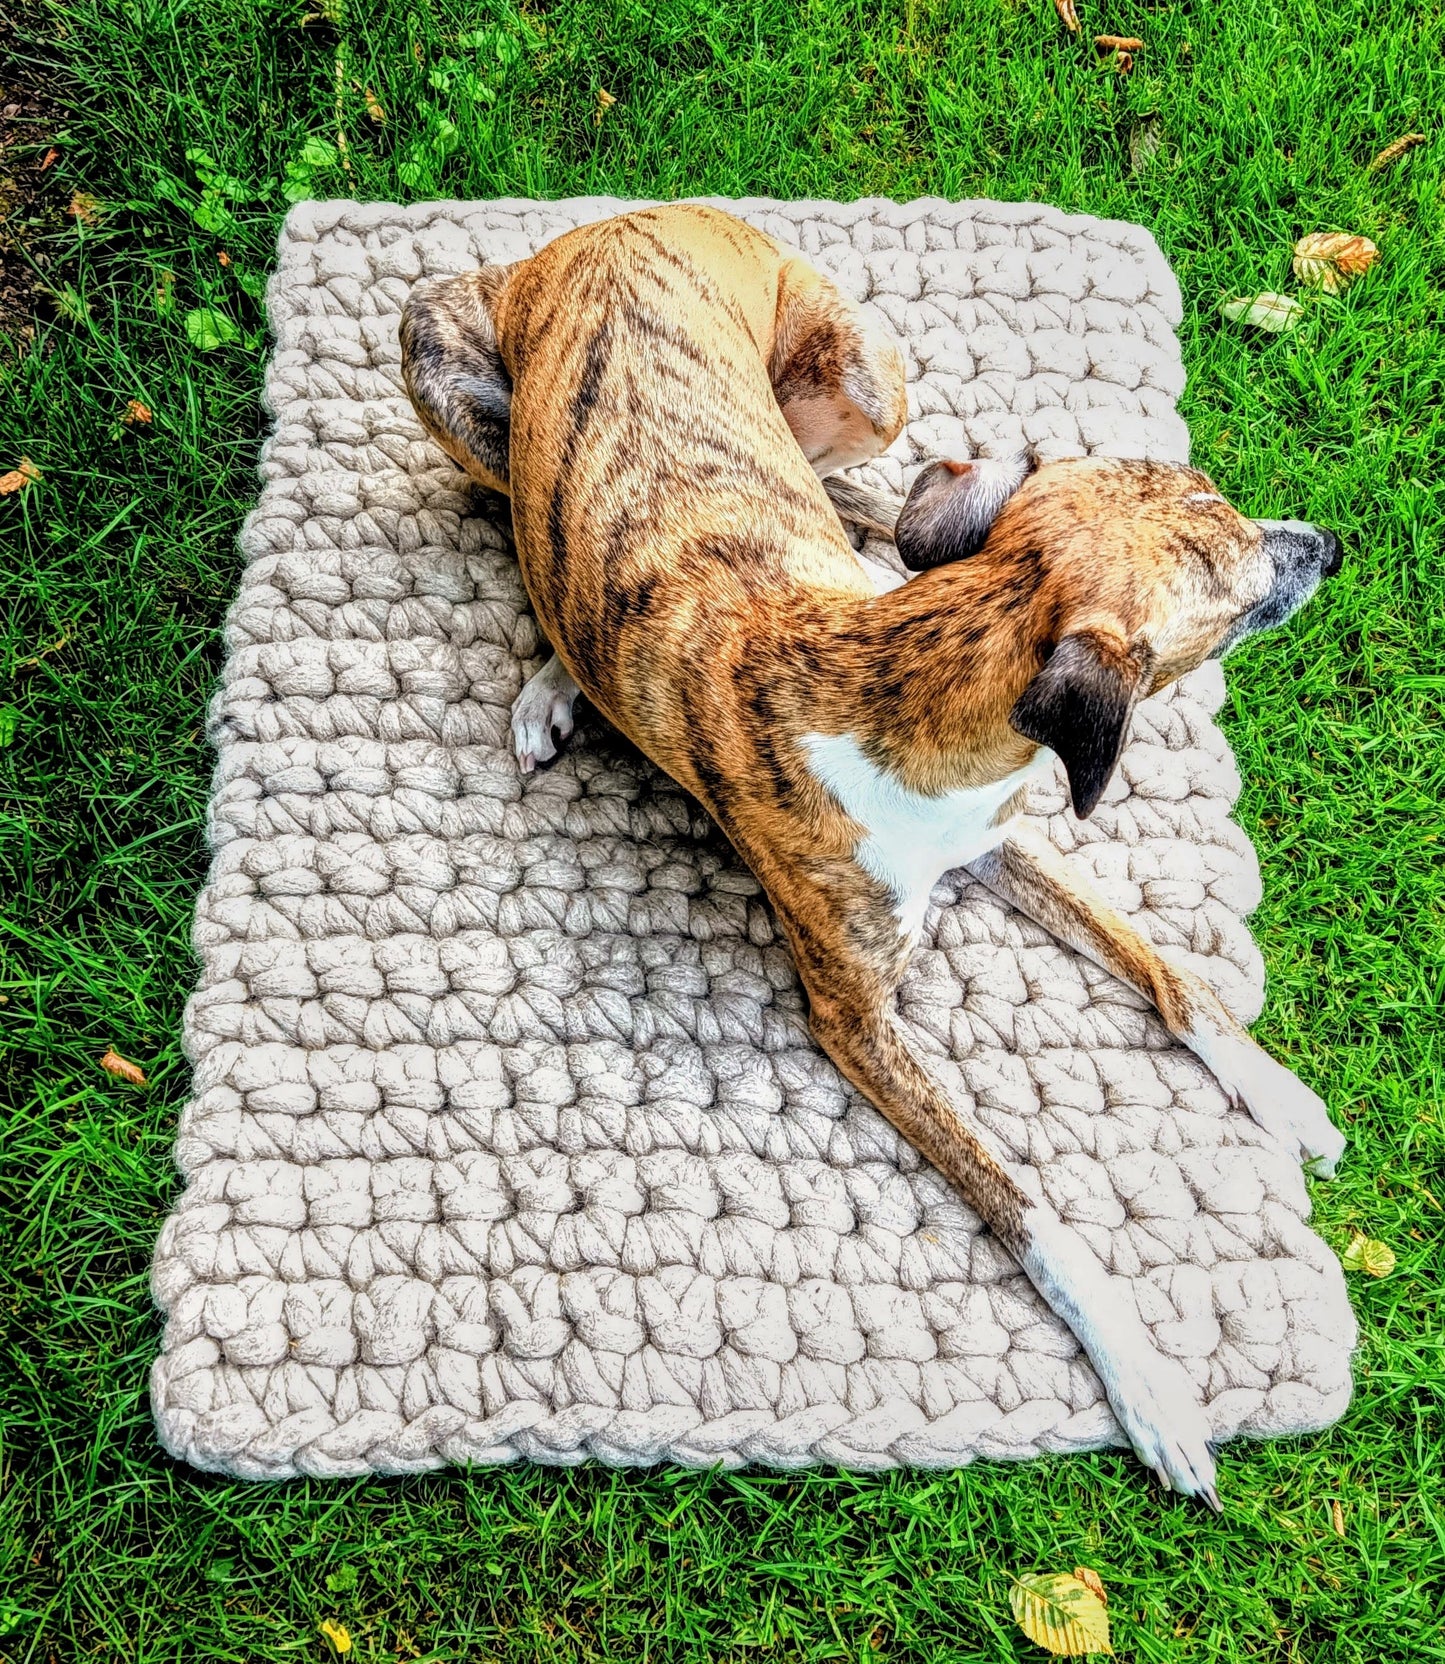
point(660, 395)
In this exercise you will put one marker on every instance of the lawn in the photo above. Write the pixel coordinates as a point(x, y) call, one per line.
point(178, 127)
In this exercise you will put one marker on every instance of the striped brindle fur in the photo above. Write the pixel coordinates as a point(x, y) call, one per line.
point(661, 395)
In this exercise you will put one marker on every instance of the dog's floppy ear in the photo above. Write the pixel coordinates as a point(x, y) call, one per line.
point(952, 507)
point(1079, 706)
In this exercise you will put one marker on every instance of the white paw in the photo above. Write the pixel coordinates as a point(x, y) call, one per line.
point(1280, 1102)
point(1157, 1408)
point(543, 708)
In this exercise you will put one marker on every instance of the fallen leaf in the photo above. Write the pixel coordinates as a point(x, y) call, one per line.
point(1365, 1254)
point(208, 329)
point(374, 110)
point(1394, 151)
point(1124, 62)
point(337, 1634)
point(1060, 1613)
point(1067, 15)
point(605, 101)
point(136, 414)
point(1091, 1580)
point(85, 208)
point(1332, 260)
point(1119, 43)
point(1276, 313)
point(1145, 141)
point(222, 258)
point(51, 157)
point(1337, 1516)
point(19, 477)
point(122, 1068)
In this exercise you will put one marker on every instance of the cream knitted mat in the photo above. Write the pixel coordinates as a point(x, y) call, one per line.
point(508, 1137)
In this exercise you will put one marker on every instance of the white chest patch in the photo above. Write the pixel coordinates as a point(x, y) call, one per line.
point(910, 840)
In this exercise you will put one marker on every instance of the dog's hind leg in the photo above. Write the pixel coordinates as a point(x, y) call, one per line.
point(453, 370)
point(837, 375)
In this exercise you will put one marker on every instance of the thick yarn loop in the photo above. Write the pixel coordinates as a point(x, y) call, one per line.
point(508, 1138)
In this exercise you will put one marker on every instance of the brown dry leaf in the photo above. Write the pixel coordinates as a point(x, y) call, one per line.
point(1332, 260)
point(1118, 43)
point(85, 208)
point(1091, 1580)
point(136, 414)
point(1124, 62)
point(1337, 1517)
point(1067, 15)
point(18, 478)
point(222, 258)
point(1060, 1613)
point(374, 111)
point(1394, 151)
point(122, 1068)
point(51, 157)
point(605, 101)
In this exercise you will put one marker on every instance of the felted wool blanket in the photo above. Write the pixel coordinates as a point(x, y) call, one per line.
point(508, 1138)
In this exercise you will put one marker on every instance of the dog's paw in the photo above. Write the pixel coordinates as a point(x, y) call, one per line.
point(1280, 1102)
point(1156, 1405)
point(542, 715)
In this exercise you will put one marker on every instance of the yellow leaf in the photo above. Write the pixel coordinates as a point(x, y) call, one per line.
point(1332, 260)
point(337, 1634)
point(1337, 1517)
point(374, 110)
point(605, 101)
point(1393, 152)
point(1091, 1580)
point(19, 477)
point(136, 415)
point(122, 1068)
point(1060, 1613)
point(1276, 313)
point(1366, 1254)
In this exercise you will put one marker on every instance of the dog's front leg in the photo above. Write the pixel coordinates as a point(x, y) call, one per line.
point(1029, 872)
point(1150, 1394)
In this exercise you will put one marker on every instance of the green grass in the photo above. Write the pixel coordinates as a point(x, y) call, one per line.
point(116, 573)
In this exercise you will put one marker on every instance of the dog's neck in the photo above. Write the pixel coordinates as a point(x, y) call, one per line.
point(925, 675)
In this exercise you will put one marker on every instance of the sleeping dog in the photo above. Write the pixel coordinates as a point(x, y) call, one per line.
point(661, 395)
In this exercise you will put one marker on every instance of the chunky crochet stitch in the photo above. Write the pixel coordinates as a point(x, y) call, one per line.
point(508, 1136)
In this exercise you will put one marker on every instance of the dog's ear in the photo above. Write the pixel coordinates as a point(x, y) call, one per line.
point(952, 507)
point(1079, 706)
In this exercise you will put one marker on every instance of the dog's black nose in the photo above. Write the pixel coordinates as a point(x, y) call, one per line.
point(1334, 554)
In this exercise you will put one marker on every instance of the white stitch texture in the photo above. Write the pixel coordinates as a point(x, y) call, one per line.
point(508, 1138)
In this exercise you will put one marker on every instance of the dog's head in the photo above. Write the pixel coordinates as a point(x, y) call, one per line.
point(1128, 574)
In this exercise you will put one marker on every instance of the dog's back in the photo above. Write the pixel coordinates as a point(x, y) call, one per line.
point(659, 495)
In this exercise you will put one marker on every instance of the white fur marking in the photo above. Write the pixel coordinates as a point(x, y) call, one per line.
point(1154, 1399)
point(911, 840)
